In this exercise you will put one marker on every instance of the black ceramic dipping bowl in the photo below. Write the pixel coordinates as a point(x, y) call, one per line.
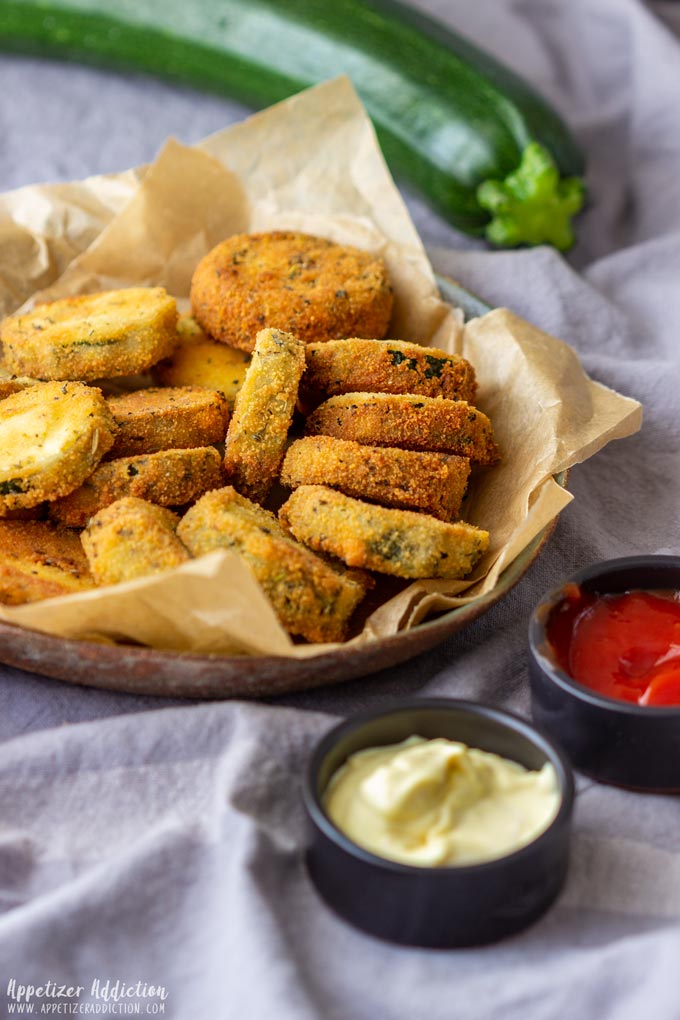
point(614, 741)
point(438, 907)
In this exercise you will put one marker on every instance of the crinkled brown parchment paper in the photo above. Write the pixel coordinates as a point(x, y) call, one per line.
point(312, 164)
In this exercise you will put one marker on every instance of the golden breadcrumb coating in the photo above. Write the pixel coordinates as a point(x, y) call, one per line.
point(188, 330)
point(38, 561)
point(171, 418)
point(52, 436)
point(411, 421)
point(302, 284)
point(384, 366)
point(92, 336)
point(132, 538)
point(204, 363)
point(398, 542)
point(311, 598)
point(10, 383)
point(432, 482)
point(263, 413)
point(169, 478)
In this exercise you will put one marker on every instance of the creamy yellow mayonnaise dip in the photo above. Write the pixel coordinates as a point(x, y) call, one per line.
point(439, 802)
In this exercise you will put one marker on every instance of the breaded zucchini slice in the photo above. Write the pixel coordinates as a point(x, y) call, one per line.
point(432, 482)
point(263, 413)
point(303, 284)
point(411, 421)
point(384, 366)
point(169, 478)
point(132, 538)
point(170, 418)
point(188, 330)
point(204, 362)
point(398, 542)
point(92, 336)
point(10, 383)
point(311, 598)
point(40, 561)
point(52, 436)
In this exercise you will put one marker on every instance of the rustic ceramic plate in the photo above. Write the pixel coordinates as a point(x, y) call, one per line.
point(183, 674)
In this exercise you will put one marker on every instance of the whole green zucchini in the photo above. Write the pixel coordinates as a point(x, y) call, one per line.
point(480, 146)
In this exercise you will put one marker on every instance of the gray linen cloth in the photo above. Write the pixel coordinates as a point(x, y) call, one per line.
point(161, 842)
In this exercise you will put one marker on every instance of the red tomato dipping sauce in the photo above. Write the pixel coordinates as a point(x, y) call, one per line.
point(625, 646)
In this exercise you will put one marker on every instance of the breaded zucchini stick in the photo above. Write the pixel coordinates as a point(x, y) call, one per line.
point(310, 597)
point(169, 478)
point(40, 561)
point(93, 336)
point(398, 542)
point(52, 436)
point(170, 418)
point(410, 421)
point(132, 538)
point(287, 280)
point(263, 413)
point(383, 366)
point(433, 482)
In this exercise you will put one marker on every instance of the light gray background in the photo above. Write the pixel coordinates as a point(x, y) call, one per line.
point(158, 841)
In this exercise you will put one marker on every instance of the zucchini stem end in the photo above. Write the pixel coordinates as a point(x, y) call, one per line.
point(533, 204)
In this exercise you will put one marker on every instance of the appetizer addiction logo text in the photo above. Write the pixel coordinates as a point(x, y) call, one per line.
point(102, 998)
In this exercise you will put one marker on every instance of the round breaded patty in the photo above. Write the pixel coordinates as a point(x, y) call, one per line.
point(204, 363)
point(169, 478)
point(408, 420)
point(92, 336)
point(384, 366)
point(263, 413)
point(407, 479)
point(304, 285)
point(132, 538)
point(39, 561)
point(52, 436)
point(311, 598)
point(167, 418)
point(397, 542)
point(10, 384)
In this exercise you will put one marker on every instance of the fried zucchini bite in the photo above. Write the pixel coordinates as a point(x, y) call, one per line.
point(169, 478)
point(170, 418)
point(92, 336)
point(132, 538)
point(205, 363)
point(410, 421)
point(52, 436)
point(295, 282)
point(310, 597)
point(10, 383)
point(384, 366)
point(433, 482)
point(398, 542)
point(40, 561)
point(188, 330)
point(263, 413)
